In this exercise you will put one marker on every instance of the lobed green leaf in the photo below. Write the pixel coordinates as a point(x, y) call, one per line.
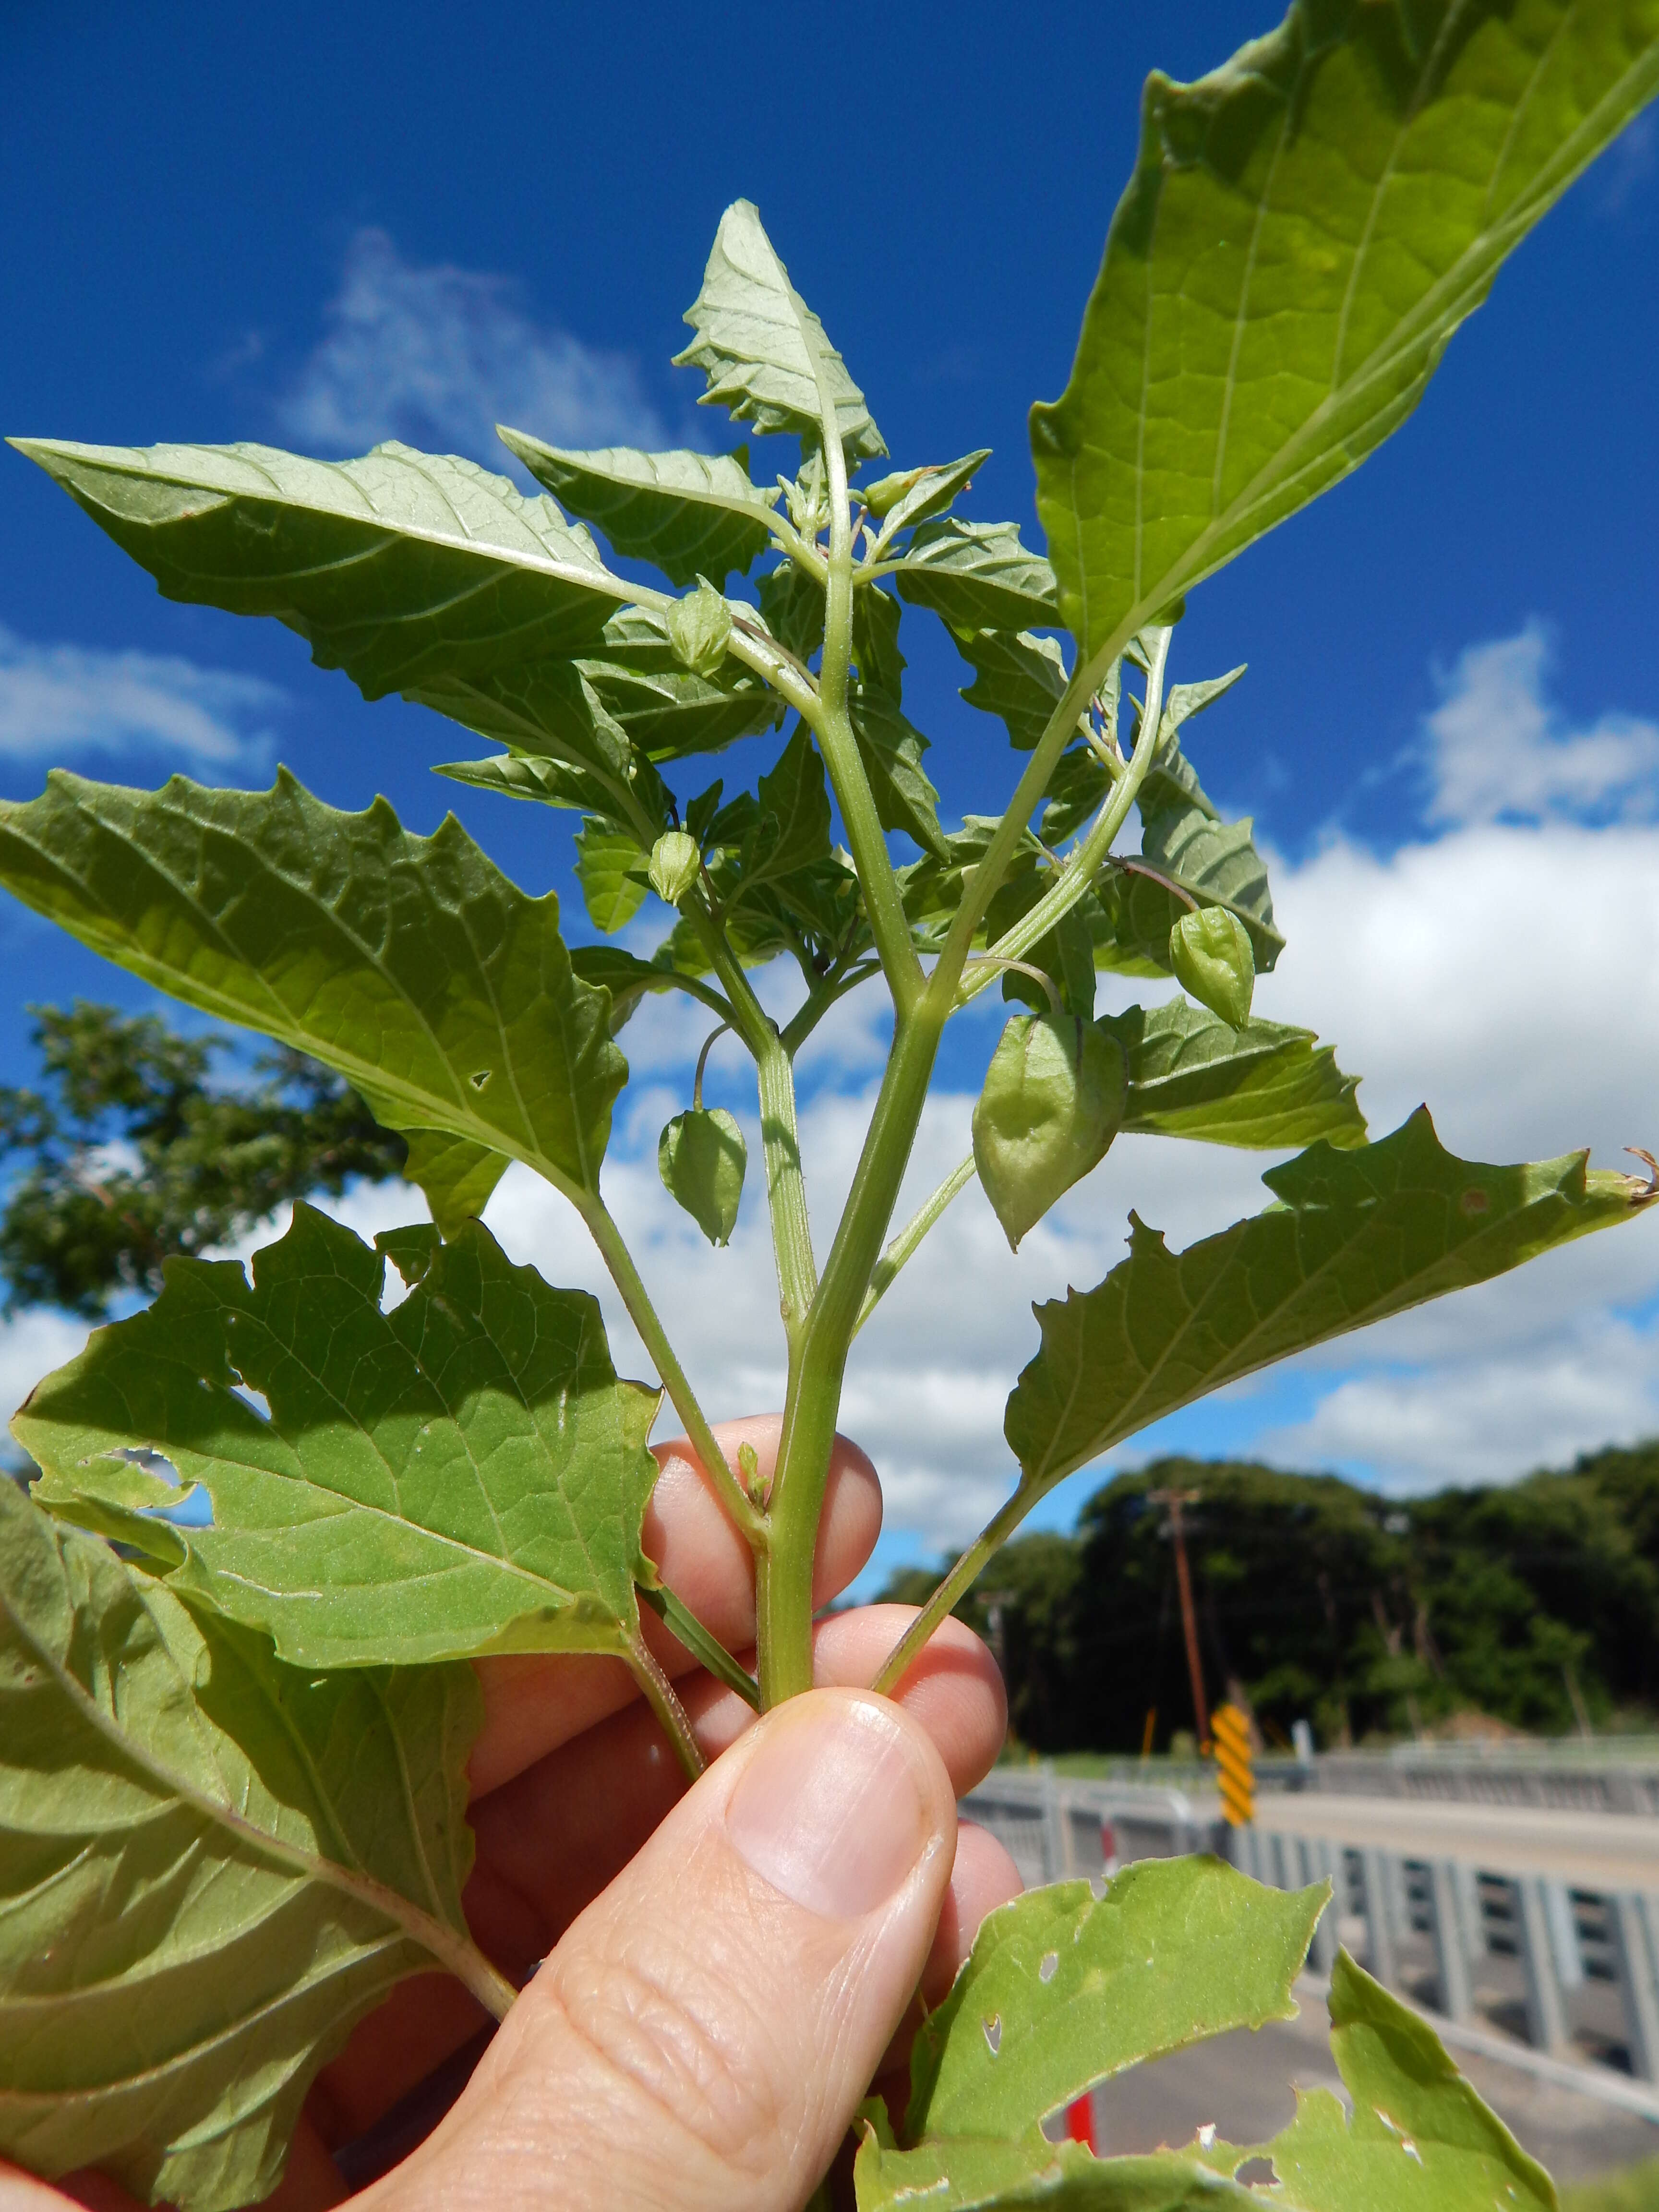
point(692, 514)
point(1305, 228)
point(400, 567)
point(217, 1864)
point(458, 1475)
point(410, 964)
point(1264, 1086)
point(761, 348)
point(1358, 1234)
point(976, 575)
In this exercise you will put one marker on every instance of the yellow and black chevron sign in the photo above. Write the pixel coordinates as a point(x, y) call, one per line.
point(1232, 1759)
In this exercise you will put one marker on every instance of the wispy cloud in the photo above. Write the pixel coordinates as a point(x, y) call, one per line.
point(60, 700)
point(439, 355)
point(1497, 748)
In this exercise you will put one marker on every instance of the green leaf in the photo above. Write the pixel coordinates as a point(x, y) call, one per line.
point(1215, 862)
point(664, 709)
point(399, 568)
point(875, 618)
point(891, 749)
point(1016, 675)
point(1062, 1990)
point(791, 603)
point(454, 1176)
point(1357, 1235)
point(914, 494)
point(763, 349)
point(518, 776)
point(792, 828)
point(453, 1477)
point(611, 867)
point(1264, 1087)
point(977, 575)
point(691, 514)
point(215, 1865)
point(1304, 230)
point(1420, 2135)
point(628, 979)
point(410, 964)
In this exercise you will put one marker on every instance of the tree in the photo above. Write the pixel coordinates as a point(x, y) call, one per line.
point(136, 1156)
point(463, 1472)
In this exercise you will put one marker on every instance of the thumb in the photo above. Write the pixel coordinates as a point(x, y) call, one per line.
point(703, 2035)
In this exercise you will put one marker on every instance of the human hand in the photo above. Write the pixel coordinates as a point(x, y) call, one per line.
point(727, 1967)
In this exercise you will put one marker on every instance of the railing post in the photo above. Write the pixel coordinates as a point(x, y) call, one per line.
point(1547, 2026)
point(1380, 1960)
point(1451, 1946)
point(1627, 1925)
point(1317, 1861)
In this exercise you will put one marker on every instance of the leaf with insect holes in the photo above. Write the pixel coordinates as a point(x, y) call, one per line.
point(691, 514)
point(410, 964)
point(1305, 230)
point(1358, 1234)
point(462, 1474)
point(762, 349)
point(215, 1865)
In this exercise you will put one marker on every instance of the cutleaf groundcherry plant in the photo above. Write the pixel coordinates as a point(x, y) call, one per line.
point(232, 1740)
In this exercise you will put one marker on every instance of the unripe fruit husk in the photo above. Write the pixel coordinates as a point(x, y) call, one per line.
point(1210, 952)
point(701, 1157)
point(699, 626)
point(675, 864)
point(1053, 1101)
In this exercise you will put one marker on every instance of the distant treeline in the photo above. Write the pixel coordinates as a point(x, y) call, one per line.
point(1536, 1603)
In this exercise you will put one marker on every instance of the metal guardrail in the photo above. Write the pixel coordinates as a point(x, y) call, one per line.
point(1576, 1778)
point(1571, 1973)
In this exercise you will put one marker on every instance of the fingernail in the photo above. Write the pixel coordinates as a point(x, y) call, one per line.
point(833, 1809)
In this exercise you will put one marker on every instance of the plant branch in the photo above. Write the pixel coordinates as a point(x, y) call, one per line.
point(910, 1237)
point(659, 1693)
point(785, 1185)
point(1051, 989)
point(626, 1276)
point(703, 1645)
point(990, 1540)
point(1087, 859)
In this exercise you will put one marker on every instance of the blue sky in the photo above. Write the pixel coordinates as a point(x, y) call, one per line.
point(318, 226)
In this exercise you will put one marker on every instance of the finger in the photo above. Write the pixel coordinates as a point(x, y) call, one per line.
point(703, 2033)
point(534, 1704)
point(982, 1877)
point(552, 1840)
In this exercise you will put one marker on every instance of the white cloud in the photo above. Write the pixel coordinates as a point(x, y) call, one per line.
point(58, 700)
point(440, 354)
point(32, 1344)
point(1495, 748)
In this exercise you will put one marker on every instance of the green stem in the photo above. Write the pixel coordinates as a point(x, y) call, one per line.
point(643, 1315)
point(833, 728)
point(708, 1044)
point(910, 1237)
point(783, 1587)
point(659, 1693)
point(1089, 856)
point(785, 1185)
point(703, 1645)
point(990, 1540)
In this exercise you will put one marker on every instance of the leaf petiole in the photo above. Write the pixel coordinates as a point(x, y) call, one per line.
point(703, 1645)
point(910, 1237)
point(659, 1694)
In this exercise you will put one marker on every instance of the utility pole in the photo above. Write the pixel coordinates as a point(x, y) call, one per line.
point(1174, 1499)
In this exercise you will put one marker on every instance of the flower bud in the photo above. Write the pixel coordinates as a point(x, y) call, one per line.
point(701, 1157)
point(675, 862)
point(1053, 1101)
point(1210, 952)
point(699, 626)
